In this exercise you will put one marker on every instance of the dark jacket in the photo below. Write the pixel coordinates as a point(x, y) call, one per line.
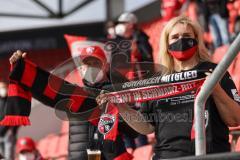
point(215, 7)
point(143, 46)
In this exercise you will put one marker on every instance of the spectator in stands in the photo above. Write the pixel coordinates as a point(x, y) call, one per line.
point(216, 15)
point(182, 50)
point(26, 149)
point(110, 30)
point(126, 29)
point(222, 109)
point(83, 134)
point(140, 51)
point(172, 8)
point(7, 134)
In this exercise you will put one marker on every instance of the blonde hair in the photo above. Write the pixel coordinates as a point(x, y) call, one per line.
point(165, 58)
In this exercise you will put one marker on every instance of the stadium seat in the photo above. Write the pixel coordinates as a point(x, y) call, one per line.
point(49, 146)
point(230, 6)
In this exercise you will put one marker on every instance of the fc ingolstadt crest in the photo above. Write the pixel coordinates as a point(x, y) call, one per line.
point(106, 123)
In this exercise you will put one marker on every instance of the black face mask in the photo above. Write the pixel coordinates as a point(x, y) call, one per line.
point(183, 49)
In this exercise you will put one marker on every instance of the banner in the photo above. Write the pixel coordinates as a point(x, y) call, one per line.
point(153, 92)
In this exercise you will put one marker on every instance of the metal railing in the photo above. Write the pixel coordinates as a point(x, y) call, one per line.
point(206, 90)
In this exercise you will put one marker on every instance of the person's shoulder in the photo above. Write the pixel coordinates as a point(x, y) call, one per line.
point(206, 65)
point(141, 33)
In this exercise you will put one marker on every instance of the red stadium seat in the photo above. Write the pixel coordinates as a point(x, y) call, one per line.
point(230, 6)
point(63, 143)
point(236, 4)
point(219, 53)
point(65, 127)
point(192, 11)
point(43, 146)
point(207, 37)
point(233, 14)
point(55, 145)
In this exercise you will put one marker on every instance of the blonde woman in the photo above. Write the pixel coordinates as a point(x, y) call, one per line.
point(182, 49)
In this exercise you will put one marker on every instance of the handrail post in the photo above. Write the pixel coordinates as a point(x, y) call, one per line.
point(206, 90)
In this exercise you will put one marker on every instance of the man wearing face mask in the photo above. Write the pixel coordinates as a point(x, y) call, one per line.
point(26, 149)
point(93, 70)
point(7, 134)
point(110, 30)
point(127, 29)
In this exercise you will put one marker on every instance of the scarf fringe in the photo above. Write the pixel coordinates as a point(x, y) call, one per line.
point(14, 120)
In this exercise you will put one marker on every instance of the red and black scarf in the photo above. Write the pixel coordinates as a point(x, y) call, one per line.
point(27, 80)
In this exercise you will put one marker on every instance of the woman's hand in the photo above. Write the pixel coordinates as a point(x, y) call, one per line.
point(16, 56)
point(101, 98)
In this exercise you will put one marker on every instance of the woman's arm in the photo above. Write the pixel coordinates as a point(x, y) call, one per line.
point(229, 109)
point(226, 98)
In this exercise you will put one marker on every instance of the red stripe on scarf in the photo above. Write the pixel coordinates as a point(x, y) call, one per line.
point(53, 86)
point(75, 103)
point(77, 99)
point(49, 92)
point(16, 90)
point(124, 156)
point(94, 118)
point(29, 74)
